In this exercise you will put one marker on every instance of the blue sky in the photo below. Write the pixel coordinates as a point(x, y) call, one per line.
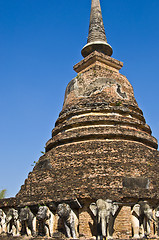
point(40, 41)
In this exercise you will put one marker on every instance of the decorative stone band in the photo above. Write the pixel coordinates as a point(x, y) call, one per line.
point(103, 119)
point(98, 56)
point(108, 114)
point(100, 46)
point(101, 108)
point(88, 133)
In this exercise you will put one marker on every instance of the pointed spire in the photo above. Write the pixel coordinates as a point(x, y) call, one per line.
point(96, 39)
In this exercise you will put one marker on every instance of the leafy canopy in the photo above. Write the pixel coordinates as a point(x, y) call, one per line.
point(2, 193)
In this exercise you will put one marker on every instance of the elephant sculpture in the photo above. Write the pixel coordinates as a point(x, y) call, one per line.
point(69, 219)
point(105, 213)
point(45, 221)
point(2, 222)
point(156, 224)
point(28, 222)
point(12, 222)
point(142, 214)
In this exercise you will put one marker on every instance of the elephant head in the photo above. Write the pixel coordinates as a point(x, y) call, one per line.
point(63, 210)
point(145, 210)
point(43, 213)
point(26, 214)
point(12, 215)
point(104, 211)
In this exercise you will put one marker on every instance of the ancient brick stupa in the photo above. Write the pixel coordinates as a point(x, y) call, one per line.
point(101, 146)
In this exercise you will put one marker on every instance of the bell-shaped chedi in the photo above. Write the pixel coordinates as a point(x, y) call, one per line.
point(101, 146)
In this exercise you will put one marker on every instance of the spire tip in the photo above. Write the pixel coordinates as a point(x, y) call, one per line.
point(97, 40)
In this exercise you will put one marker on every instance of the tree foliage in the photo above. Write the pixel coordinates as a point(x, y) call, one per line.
point(2, 193)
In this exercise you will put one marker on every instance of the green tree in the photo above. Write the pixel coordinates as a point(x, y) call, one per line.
point(2, 193)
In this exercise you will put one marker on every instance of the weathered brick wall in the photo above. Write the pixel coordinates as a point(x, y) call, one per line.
point(86, 224)
point(93, 169)
point(122, 225)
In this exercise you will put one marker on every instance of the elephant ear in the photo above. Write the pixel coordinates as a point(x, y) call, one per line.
point(136, 209)
point(93, 208)
point(114, 208)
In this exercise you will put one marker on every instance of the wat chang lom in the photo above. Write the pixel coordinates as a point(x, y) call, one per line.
point(98, 178)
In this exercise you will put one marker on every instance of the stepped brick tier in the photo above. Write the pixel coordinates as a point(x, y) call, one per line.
point(101, 148)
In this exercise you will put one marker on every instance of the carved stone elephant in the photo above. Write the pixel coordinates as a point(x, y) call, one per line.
point(69, 219)
point(28, 222)
point(156, 224)
point(12, 222)
point(2, 222)
point(142, 214)
point(45, 221)
point(105, 213)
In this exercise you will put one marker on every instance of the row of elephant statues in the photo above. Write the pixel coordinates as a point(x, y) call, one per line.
point(24, 222)
point(142, 215)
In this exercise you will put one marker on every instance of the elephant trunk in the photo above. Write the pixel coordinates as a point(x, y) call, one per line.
point(149, 216)
point(103, 226)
